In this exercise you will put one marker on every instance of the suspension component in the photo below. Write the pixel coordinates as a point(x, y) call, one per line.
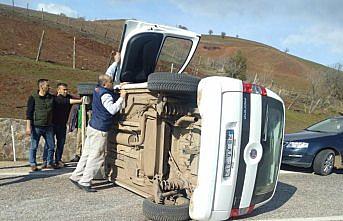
point(168, 185)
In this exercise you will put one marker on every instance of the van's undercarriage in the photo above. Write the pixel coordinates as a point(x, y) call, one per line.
point(155, 148)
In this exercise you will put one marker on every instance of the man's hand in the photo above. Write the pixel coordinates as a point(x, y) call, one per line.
point(123, 93)
point(123, 83)
point(117, 57)
point(28, 130)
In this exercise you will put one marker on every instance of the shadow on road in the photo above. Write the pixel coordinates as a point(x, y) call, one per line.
point(304, 170)
point(103, 185)
point(13, 167)
point(283, 193)
point(15, 179)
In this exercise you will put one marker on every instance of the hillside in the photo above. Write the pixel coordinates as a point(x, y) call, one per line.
point(21, 30)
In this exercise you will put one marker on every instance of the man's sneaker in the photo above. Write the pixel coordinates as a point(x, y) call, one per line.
point(34, 168)
point(75, 159)
point(60, 164)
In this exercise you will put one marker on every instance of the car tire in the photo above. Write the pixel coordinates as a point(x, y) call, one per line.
point(324, 162)
point(86, 88)
point(173, 82)
point(160, 212)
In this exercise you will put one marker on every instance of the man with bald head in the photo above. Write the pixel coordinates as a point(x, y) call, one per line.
point(106, 103)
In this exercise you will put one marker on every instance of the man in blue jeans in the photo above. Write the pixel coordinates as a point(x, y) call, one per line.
point(39, 122)
point(61, 108)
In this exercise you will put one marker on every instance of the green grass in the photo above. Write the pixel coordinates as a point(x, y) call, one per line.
point(18, 77)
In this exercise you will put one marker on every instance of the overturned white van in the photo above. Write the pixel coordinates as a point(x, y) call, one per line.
point(205, 149)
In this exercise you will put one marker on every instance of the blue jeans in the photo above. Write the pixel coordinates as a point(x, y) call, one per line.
point(60, 133)
point(48, 134)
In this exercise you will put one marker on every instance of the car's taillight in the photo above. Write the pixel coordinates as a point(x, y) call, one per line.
point(254, 89)
point(242, 211)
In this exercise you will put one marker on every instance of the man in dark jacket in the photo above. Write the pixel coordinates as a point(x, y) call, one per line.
point(39, 122)
point(104, 106)
point(61, 109)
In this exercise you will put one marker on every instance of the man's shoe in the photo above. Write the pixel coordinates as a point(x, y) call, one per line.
point(75, 183)
point(75, 159)
point(52, 166)
point(34, 168)
point(88, 189)
point(60, 164)
point(44, 165)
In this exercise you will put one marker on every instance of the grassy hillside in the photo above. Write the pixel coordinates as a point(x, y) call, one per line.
point(20, 33)
point(19, 77)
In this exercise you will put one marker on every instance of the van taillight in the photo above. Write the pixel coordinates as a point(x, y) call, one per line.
point(254, 89)
point(242, 211)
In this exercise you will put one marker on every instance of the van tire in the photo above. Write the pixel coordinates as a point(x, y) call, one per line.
point(86, 88)
point(159, 212)
point(324, 162)
point(173, 82)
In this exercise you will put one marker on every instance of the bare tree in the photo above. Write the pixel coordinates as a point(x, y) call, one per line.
point(236, 66)
point(313, 95)
point(333, 81)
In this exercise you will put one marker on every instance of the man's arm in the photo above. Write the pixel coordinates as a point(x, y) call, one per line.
point(75, 101)
point(110, 105)
point(111, 71)
point(29, 114)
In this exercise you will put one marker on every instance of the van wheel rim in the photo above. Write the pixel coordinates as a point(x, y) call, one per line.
point(328, 163)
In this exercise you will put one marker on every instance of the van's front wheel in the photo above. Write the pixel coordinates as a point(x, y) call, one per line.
point(160, 212)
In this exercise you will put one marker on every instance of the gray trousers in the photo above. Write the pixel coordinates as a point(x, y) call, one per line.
point(92, 158)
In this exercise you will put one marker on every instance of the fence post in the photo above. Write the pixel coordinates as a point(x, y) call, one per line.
point(27, 9)
point(13, 6)
point(74, 54)
point(40, 46)
point(42, 14)
point(13, 144)
point(172, 68)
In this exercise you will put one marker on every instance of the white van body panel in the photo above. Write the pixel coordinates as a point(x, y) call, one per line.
point(221, 105)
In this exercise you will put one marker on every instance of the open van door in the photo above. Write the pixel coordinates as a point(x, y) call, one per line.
point(147, 48)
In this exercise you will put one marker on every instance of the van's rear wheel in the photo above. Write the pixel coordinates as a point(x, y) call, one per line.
point(154, 211)
point(323, 162)
point(173, 82)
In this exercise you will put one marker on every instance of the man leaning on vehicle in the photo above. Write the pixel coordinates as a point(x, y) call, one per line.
point(105, 105)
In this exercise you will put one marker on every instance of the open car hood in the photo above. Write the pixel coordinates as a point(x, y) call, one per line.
point(141, 45)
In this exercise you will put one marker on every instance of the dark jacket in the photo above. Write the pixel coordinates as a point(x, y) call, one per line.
point(40, 109)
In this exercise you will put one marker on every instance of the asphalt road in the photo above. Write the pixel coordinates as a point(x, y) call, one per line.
point(48, 195)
